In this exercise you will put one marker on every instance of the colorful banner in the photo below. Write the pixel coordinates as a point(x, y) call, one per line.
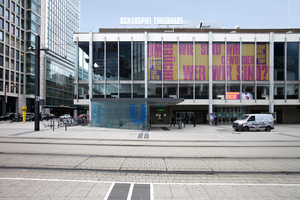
point(232, 95)
point(186, 68)
point(166, 57)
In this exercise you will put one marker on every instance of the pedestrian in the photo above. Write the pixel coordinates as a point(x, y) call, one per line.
point(194, 119)
point(19, 117)
point(216, 120)
point(186, 119)
point(182, 119)
point(150, 122)
point(173, 121)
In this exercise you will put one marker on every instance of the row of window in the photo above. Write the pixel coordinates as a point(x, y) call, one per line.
point(187, 91)
point(12, 88)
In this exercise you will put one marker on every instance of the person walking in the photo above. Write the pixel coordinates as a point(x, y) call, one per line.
point(173, 121)
point(216, 120)
point(194, 119)
point(182, 120)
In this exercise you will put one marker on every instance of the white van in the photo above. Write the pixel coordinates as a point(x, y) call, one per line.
point(254, 122)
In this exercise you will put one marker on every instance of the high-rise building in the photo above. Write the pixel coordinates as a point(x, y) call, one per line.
point(54, 21)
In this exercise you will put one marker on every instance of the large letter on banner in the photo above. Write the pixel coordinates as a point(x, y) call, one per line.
point(143, 114)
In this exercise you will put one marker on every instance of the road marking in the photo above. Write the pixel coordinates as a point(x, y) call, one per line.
point(113, 182)
point(151, 192)
point(109, 191)
point(130, 191)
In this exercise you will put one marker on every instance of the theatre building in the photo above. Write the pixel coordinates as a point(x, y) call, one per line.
point(131, 76)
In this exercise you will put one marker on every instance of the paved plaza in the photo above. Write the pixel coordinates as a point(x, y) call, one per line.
point(202, 162)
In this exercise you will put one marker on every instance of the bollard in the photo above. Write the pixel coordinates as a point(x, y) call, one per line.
point(66, 127)
point(53, 124)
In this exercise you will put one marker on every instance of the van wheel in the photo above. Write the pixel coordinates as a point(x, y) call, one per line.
point(268, 128)
point(246, 128)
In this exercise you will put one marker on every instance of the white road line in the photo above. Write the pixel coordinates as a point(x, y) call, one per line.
point(113, 182)
point(151, 191)
point(130, 191)
point(109, 191)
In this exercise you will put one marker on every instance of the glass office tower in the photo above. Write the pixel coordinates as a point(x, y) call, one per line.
point(55, 22)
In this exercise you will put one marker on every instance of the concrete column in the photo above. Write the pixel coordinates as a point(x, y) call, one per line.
point(271, 73)
point(90, 74)
point(76, 69)
point(210, 71)
point(146, 64)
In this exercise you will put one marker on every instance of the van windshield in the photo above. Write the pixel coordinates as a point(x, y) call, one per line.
point(243, 117)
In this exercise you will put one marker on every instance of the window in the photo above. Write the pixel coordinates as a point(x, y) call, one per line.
point(292, 61)
point(278, 61)
point(252, 118)
point(18, 10)
point(18, 21)
point(13, 6)
point(1, 23)
point(6, 26)
point(7, 14)
point(7, 3)
point(6, 74)
point(1, 61)
point(12, 53)
point(12, 17)
point(1, 48)
point(1, 10)
point(12, 29)
point(7, 50)
point(1, 35)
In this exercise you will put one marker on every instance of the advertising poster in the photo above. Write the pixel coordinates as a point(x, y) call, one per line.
point(165, 59)
point(169, 64)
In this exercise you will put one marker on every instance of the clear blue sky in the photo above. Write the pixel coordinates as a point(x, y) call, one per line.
point(95, 14)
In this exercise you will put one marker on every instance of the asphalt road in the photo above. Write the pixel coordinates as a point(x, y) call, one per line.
point(202, 162)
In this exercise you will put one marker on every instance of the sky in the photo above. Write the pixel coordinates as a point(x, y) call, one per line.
point(95, 14)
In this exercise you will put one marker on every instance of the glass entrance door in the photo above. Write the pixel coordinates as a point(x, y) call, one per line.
point(228, 114)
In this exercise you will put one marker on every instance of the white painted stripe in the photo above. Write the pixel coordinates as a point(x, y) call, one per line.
point(130, 191)
point(113, 182)
point(109, 191)
point(151, 191)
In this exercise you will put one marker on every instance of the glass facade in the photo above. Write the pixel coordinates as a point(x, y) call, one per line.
point(170, 68)
point(59, 85)
point(123, 114)
point(170, 62)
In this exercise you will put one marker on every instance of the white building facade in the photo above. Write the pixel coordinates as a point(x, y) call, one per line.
point(176, 72)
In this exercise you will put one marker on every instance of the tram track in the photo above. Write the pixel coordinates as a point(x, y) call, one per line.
point(157, 171)
point(146, 157)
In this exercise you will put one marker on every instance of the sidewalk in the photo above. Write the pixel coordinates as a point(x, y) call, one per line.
point(157, 132)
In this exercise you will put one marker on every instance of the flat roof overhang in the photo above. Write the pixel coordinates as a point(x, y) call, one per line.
point(151, 101)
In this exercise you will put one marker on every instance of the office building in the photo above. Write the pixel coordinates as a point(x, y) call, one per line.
point(55, 22)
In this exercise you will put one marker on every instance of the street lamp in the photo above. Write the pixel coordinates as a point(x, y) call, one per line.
point(36, 50)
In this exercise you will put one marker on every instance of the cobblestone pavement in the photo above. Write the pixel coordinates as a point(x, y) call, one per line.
point(205, 162)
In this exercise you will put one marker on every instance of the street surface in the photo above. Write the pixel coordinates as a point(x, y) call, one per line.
point(202, 162)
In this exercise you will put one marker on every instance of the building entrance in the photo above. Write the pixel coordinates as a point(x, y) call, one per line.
point(186, 115)
point(228, 114)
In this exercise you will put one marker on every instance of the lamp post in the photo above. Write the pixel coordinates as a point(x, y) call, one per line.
point(37, 84)
point(37, 51)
